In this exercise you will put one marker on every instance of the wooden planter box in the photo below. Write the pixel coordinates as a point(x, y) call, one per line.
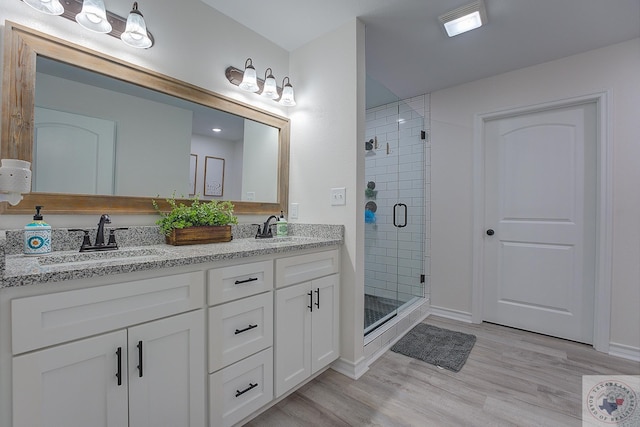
point(199, 235)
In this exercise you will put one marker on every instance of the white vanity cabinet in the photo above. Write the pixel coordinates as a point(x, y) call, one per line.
point(127, 354)
point(307, 317)
point(240, 340)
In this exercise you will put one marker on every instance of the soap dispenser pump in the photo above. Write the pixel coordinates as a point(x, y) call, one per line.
point(37, 236)
point(281, 226)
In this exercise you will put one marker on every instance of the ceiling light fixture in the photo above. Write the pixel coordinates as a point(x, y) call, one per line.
point(93, 16)
point(135, 33)
point(465, 18)
point(50, 7)
point(267, 87)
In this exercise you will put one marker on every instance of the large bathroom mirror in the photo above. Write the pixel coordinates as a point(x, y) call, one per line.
point(147, 137)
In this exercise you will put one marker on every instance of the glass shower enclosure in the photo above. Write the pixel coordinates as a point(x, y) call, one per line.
point(395, 209)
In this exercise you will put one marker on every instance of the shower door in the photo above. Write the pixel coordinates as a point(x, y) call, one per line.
point(394, 210)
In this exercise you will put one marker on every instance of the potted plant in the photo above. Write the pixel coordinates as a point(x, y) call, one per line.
point(199, 222)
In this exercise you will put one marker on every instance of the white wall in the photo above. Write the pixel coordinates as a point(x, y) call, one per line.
point(327, 130)
point(231, 151)
point(615, 68)
point(260, 162)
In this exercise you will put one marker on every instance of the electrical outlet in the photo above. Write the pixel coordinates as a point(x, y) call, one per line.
point(251, 195)
point(293, 214)
point(338, 196)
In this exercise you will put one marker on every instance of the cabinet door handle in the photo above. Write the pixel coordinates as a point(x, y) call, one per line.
point(119, 370)
point(318, 297)
point(250, 279)
point(139, 358)
point(248, 328)
point(251, 387)
point(310, 306)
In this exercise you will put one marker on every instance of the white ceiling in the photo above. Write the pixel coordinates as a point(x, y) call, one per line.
point(408, 52)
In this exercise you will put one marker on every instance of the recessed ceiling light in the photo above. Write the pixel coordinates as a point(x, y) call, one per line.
point(465, 18)
point(216, 130)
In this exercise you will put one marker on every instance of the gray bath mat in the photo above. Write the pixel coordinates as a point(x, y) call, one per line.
point(441, 347)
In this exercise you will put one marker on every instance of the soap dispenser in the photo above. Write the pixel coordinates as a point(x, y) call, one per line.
point(37, 236)
point(281, 226)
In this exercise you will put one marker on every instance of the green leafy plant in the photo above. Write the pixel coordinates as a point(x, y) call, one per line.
point(199, 213)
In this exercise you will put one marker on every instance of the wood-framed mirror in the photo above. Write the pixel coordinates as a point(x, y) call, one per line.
point(25, 51)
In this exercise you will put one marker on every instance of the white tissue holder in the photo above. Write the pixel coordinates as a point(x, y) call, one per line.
point(15, 180)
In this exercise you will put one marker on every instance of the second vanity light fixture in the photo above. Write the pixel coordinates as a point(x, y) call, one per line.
point(92, 15)
point(248, 80)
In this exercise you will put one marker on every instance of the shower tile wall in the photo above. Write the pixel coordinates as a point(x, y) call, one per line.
point(398, 124)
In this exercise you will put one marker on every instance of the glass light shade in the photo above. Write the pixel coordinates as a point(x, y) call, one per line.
point(249, 78)
point(50, 7)
point(463, 24)
point(270, 88)
point(287, 98)
point(93, 16)
point(135, 33)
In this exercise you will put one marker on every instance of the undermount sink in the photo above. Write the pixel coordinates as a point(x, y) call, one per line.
point(75, 258)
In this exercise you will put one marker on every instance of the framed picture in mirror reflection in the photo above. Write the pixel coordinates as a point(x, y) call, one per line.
point(213, 176)
point(193, 173)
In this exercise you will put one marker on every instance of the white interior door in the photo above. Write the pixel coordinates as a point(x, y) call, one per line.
point(540, 208)
point(92, 141)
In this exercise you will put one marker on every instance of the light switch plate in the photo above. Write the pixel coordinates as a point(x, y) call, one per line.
point(294, 211)
point(338, 196)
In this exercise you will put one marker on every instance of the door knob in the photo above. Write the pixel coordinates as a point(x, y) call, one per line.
point(490, 232)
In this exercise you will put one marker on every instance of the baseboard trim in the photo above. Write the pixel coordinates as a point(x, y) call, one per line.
point(351, 369)
point(624, 351)
point(447, 313)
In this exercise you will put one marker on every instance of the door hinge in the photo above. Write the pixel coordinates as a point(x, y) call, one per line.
point(422, 278)
point(423, 134)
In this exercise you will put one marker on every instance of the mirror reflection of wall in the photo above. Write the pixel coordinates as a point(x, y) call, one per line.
point(155, 135)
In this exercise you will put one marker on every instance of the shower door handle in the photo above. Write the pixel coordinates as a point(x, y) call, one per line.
point(395, 223)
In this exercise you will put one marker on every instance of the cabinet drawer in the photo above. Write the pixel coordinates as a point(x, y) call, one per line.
point(300, 268)
point(240, 389)
point(240, 328)
point(239, 281)
point(44, 320)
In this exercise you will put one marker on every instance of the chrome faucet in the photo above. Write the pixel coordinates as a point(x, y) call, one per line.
point(104, 219)
point(266, 232)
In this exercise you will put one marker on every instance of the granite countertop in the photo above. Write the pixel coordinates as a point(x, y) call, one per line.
point(61, 265)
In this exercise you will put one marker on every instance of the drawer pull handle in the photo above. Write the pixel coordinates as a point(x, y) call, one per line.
point(248, 328)
point(251, 387)
point(310, 306)
point(250, 279)
point(318, 297)
point(139, 358)
point(119, 371)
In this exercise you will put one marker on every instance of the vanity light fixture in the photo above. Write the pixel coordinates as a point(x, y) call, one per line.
point(249, 78)
point(270, 87)
point(50, 7)
point(135, 33)
point(287, 98)
point(267, 87)
point(93, 16)
point(465, 18)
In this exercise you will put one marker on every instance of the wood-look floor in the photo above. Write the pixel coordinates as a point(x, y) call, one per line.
point(512, 378)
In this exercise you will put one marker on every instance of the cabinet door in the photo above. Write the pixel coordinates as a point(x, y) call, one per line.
point(167, 372)
point(73, 384)
point(293, 337)
point(325, 343)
